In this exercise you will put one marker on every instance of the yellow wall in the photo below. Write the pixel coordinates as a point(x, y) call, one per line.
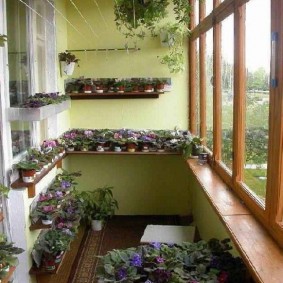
point(168, 111)
point(142, 184)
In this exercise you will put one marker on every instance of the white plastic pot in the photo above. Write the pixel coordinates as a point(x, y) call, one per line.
point(67, 69)
point(96, 225)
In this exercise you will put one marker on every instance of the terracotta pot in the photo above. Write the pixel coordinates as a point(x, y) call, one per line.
point(131, 147)
point(28, 175)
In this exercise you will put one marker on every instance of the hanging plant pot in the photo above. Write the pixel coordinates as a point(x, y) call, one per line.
point(67, 69)
point(96, 225)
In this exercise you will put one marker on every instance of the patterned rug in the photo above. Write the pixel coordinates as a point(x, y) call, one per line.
point(83, 269)
point(119, 233)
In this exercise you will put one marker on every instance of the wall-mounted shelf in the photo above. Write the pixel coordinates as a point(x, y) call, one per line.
point(41, 270)
point(19, 184)
point(122, 153)
point(38, 225)
point(114, 95)
point(37, 114)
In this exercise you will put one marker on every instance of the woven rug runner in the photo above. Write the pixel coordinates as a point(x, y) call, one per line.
point(119, 233)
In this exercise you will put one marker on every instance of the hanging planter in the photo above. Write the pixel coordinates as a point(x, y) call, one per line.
point(67, 69)
point(67, 63)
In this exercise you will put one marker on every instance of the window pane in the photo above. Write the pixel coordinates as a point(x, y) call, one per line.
point(19, 86)
point(208, 6)
point(17, 50)
point(209, 89)
point(257, 95)
point(227, 75)
point(20, 133)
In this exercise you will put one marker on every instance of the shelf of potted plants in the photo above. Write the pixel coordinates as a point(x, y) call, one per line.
point(33, 180)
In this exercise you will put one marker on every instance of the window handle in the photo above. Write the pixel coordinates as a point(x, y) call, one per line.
point(274, 41)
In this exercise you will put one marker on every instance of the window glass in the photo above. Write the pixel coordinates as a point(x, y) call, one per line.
point(197, 13)
point(19, 85)
point(209, 89)
point(227, 75)
point(257, 95)
point(208, 6)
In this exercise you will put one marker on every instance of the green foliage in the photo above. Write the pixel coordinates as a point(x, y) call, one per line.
point(4, 191)
point(98, 204)
point(7, 254)
point(27, 165)
point(134, 18)
point(3, 39)
point(187, 262)
point(68, 57)
point(53, 241)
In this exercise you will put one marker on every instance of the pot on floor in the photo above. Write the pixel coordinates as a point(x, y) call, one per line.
point(96, 225)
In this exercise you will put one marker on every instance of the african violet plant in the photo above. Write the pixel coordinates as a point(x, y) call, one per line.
point(43, 99)
point(201, 262)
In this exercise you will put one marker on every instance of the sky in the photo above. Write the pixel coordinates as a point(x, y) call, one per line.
point(257, 35)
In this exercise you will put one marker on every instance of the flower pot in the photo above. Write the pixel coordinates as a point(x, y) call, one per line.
point(96, 225)
point(121, 89)
point(70, 148)
point(67, 69)
point(148, 88)
point(131, 147)
point(46, 221)
point(160, 87)
point(28, 175)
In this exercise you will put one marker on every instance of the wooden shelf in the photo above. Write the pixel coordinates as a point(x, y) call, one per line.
point(122, 153)
point(41, 270)
point(19, 184)
point(115, 95)
point(38, 225)
point(8, 276)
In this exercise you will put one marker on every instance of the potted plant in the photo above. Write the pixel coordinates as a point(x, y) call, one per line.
point(187, 262)
point(68, 62)
point(192, 147)
point(28, 169)
point(97, 205)
point(50, 246)
point(160, 84)
point(120, 86)
point(147, 85)
point(8, 254)
point(134, 18)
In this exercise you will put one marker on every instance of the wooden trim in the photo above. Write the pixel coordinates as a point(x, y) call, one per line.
point(217, 109)
point(220, 12)
point(274, 197)
point(122, 153)
point(263, 257)
point(202, 75)
point(192, 78)
point(239, 94)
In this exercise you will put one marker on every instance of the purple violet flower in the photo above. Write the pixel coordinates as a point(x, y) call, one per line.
point(136, 260)
point(121, 274)
point(88, 133)
point(159, 259)
point(156, 245)
point(65, 184)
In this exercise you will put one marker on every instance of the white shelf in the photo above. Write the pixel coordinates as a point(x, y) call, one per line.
point(37, 114)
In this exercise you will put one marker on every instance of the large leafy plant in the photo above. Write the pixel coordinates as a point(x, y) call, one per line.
point(135, 17)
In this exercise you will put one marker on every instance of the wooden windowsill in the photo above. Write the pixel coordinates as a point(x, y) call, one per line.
point(263, 257)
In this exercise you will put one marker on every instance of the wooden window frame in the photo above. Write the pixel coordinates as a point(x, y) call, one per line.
point(271, 216)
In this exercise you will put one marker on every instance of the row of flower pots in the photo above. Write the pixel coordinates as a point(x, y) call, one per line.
point(59, 208)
